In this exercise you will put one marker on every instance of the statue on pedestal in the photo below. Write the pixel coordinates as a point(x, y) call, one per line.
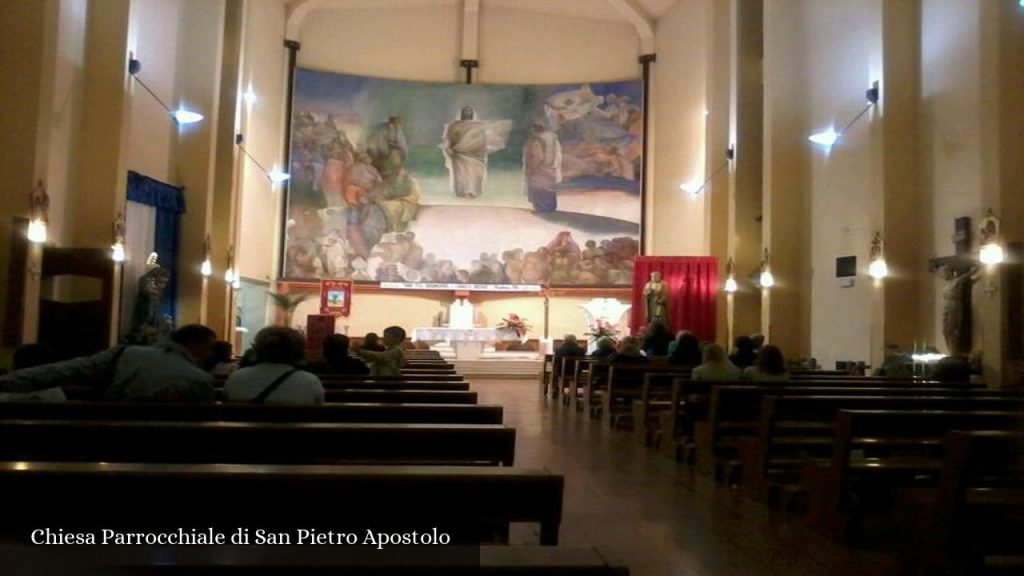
point(656, 295)
point(147, 324)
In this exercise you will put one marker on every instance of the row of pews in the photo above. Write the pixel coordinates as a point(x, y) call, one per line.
point(930, 471)
point(385, 455)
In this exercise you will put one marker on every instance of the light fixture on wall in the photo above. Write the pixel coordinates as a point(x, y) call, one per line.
point(730, 278)
point(229, 274)
point(877, 267)
point(830, 137)
point(181, 115)
point(39, 205)
point(991, 252)
point(206, 268)
point(695, 188)
point(276, 176)
point(117, 248)
point(766, 279)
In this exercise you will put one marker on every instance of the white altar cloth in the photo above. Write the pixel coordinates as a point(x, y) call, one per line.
point(468, 342)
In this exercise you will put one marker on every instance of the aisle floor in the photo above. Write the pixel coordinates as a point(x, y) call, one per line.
point(652, 514)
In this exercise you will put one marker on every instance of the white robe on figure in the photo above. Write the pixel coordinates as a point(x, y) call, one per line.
point(466, 144)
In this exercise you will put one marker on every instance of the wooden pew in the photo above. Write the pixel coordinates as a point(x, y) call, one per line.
point(889, 448)
point(354, 384)
point(975, 517)
point(419, 377)
point(460, 500)
point(794, 429)
point(399, 396)
point(734, 414)
point(347, 413)
point(655, 398)
point(546, 374)
point(256, 442)
point(485, 560)
point(594, 373)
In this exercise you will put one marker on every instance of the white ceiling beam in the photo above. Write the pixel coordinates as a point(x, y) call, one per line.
point(638, 17)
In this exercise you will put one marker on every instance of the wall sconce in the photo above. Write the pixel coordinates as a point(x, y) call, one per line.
point(276, 176)
point(730, 278)
point(828, 138)
point(695, 188)
point(117, 249)
point(39, 206)
point(181, 115)
point(877, 267)
point(766, 279)
point(206, 268)
point(991, 252)
point(229, 274)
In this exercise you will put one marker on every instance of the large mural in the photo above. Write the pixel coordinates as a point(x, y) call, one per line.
point(396, 181)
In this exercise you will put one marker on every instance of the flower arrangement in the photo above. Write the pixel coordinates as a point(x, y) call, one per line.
point(515, 324)
point(602, 328)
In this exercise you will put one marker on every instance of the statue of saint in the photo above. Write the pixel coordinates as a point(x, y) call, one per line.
point(656, 299)
point(147, 324)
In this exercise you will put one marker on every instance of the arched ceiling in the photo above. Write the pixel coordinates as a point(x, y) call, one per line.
point(639, 13)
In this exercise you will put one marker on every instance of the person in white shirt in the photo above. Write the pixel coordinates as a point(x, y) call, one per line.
point(276, 380)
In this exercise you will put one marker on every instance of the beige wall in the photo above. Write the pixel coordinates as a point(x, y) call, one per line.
point(676, 218)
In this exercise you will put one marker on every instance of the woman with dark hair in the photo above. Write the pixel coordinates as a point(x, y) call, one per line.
point(686, 351)
point(337, 359)
point(222, 362)
point(629, 352)
point(276, 380)
point(656, 339)
point(770, 366)
point(744, 355)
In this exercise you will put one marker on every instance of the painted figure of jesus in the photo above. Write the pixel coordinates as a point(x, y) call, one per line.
point(466, 144)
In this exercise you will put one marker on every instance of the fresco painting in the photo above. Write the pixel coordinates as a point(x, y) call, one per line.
point(395, 181)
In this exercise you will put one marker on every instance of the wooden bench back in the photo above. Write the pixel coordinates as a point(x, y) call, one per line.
point(256, 443)
point(351, 413)
point(464, 501)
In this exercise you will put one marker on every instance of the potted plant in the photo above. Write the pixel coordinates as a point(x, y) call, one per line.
point(287, 303)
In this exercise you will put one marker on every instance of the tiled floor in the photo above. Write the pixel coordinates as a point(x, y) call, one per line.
point(654, 515)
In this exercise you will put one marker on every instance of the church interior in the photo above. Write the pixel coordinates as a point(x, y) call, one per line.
point(687, 287)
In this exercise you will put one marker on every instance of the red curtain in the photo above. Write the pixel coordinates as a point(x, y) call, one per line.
point(693, 292)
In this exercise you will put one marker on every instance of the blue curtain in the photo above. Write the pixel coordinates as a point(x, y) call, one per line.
point(169, 202)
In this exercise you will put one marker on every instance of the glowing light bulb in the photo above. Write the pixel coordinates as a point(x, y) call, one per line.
point(250, 96)
point(766, 279)
point(828, 138)
point(206, 269)
point(730, 285)
point(991, 254)
point(229, 276)
point(236, 283)
point(878, 269)
point(277, 175)
point(692, 187)
point(182, 116)
point(37, 231)
point(117, 252)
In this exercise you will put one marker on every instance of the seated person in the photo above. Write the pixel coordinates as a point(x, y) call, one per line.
point(222, 363)
point(716, 367)
point(30, 356)
point(276, 380)
point(570, 347)
point(770, 366)
point(390, 361)
point(168, 371)
point(686, 351)
point(744, 354)
point(953, 370)
point(656, 339)
point(372, 342)
point(629, 352)
point(605, 348)
point(337, 360)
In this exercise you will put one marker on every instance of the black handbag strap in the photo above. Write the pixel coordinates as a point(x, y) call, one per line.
point(273, 386)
